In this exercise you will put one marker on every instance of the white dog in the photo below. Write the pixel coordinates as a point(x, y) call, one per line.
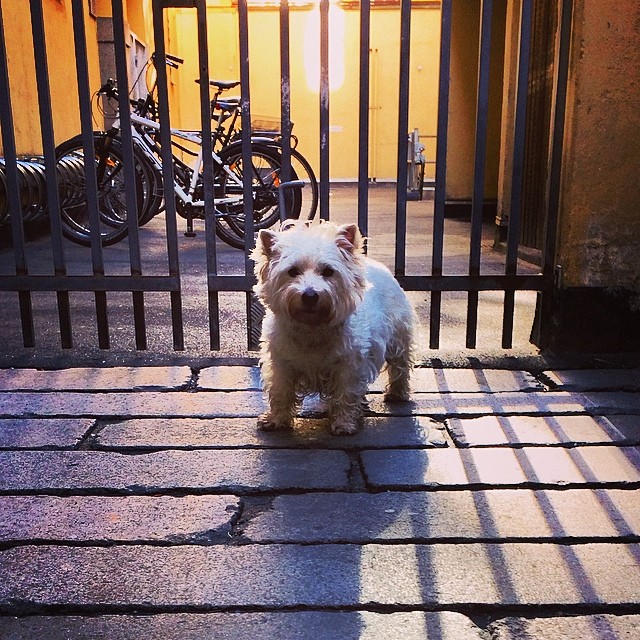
point(333, 318)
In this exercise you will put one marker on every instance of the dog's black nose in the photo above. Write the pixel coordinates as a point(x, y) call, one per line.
point(309, 298)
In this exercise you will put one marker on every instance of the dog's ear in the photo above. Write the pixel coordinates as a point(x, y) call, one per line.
point(348, 238)
point(262, 254)
point(267, 238)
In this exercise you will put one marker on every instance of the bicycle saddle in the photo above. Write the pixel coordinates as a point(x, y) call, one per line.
point(223, 85)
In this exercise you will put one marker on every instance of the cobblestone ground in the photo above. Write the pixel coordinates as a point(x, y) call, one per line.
point(143, 503)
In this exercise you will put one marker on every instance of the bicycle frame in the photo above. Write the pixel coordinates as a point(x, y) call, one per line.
point(147, 146)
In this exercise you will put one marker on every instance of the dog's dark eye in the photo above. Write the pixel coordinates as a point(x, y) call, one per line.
point(294, 272)
point(327, 272)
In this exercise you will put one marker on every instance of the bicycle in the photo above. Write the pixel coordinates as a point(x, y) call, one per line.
point(188, 188)
point(225, 113)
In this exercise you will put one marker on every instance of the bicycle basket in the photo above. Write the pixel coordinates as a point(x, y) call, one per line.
point(265, 124)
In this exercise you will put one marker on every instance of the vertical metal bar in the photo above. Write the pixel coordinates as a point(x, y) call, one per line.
point(324, 109)
point(167, 174)
point(208, 173)
point(245, 118)
point(553, 198)
point(285, 92)
point(129, 171)
point(403, 130)
point(482, 116)
point(363, 132)
point(441, 171)
point(48, 146)
point(245, 114)
point(13, 191)
point(82, 74)
point(515, 212)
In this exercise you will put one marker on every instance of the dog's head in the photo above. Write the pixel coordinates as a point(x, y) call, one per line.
point(310, 274)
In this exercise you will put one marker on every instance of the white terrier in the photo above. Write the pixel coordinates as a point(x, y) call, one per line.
point(333, 318)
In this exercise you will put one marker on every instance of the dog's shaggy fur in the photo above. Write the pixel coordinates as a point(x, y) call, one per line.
point(334, 317)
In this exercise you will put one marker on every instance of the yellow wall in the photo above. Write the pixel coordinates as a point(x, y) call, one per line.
point(462, 99)
point(264, 60)
point(62, 70)
point(139, 15)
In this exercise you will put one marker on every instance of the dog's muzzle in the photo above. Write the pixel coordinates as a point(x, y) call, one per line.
point(309, 308)
point(309, 299)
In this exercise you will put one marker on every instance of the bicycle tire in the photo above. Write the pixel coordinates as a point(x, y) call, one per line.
point(152, 202)
point(113, 224)
point(300, 167)
point(266, 163)
point(154, 188)
point(302, 170)
point(305, 173)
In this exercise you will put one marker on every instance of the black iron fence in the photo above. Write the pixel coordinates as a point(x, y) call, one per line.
point(32, 188)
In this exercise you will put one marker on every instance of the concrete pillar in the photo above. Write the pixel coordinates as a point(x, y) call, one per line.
point(597, 299)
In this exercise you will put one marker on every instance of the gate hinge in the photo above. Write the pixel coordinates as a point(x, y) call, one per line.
point(557, 277)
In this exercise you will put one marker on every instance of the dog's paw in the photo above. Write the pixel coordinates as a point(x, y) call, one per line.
point(395, 396)
point(344, 428)
point(266, 422)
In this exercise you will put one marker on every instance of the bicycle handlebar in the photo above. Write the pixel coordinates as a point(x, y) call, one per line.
point(292, 184)
point(170, 56)
point(109, 88)
point(170, 60)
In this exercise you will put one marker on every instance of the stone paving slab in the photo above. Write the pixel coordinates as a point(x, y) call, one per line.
point(593, 627)
point(590, 379)
point(112, 379)
point(423, 380)
point(214, 470)
point(41, 433)
point(300, 625)
point(376, 432)
point(473, 404)
point(96, 579)
point(429, 380)
point(251, 403)
point(628, 426)
point(174, 520)
point(229, 379)
point(614, 402)
point(422, 516)
point(540, 430)
point(146, 404)
point(501, 467)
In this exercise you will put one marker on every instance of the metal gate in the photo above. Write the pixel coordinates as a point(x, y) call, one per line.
point(20, 283)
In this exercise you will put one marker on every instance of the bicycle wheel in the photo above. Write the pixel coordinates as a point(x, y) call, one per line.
point(309, 194)
point(112, 210)
point(265, 172)
point(300, 170)
point(152, 201)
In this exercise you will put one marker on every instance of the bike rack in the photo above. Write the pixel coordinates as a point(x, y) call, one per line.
point(292, 184)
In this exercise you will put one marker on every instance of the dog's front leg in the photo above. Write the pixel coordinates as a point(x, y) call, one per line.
point(283, 401)
point(345, 411)
point(346, 416)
